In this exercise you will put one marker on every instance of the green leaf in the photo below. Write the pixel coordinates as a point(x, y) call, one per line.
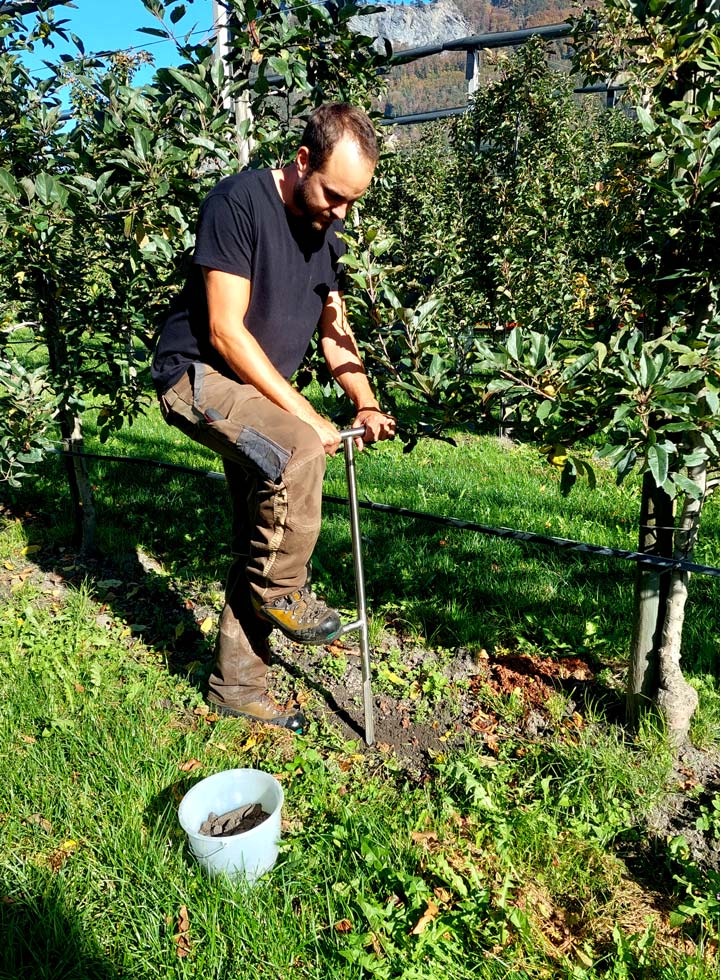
point(191, 85)
point(515, 344)
point(657, 460)
point(686, 485)
point(645, 119)
point(695, 458)
point(601, 351)
point(153, 31)
point(648, 370)
point(543, 410)
point(579, 364)
point(8, 185)
point(625, 465)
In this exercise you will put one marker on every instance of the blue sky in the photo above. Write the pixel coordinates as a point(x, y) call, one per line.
point(112, 24)
point(109, 25)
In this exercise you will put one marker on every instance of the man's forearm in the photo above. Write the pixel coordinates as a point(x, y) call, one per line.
point(343, 359)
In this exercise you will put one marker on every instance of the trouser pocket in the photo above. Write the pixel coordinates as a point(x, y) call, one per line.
point(214, 411)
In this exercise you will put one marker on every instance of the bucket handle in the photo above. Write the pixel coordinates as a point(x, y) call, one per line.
point(207, 854)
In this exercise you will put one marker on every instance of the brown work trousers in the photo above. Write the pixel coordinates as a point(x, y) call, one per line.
point(274, 464)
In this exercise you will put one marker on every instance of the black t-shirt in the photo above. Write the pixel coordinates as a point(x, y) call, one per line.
point(245, 229)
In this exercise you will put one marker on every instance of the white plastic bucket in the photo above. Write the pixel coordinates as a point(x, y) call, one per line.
point(249, 854)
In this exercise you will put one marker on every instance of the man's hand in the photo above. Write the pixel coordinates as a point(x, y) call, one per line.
point(378, 425)
point(329, 435)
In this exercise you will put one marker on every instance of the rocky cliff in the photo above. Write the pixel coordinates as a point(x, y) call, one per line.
point(411, 25)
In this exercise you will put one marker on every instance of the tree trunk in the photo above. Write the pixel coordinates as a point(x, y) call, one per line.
point(676, 699)
point(61, 365)
point(80, 487)
point(651, 591)
point(655, 677)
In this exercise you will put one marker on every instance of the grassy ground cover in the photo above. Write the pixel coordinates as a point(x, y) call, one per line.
point(535, 843)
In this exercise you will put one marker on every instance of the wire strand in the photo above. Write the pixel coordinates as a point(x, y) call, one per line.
point(564, 544)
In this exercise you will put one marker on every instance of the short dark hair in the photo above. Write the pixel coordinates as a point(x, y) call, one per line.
point(330, 123)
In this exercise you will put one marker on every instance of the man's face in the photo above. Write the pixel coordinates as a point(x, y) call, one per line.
point(323, 195)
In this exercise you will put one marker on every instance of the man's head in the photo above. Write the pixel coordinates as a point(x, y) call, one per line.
point(335, 163)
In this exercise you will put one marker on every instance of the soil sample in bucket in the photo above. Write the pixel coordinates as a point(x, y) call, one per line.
point(233, 822)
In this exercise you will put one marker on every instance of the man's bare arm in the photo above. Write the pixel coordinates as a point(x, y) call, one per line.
point(228, 298)
point(341, 353)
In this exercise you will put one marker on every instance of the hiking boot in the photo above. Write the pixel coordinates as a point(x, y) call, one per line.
point(302, 617)
point(264, 710)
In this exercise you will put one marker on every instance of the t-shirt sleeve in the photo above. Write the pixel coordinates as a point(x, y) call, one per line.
point(224, 238)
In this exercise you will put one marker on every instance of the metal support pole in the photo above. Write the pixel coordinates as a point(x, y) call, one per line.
point(239, 107)
point(472, 71)
point(348, 436)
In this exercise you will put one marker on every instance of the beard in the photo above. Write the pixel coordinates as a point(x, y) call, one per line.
point(317, 218)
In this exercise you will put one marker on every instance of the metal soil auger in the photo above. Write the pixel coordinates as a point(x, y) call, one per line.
point(361, 623)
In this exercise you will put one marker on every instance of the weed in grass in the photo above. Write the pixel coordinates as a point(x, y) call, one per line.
point(336, 664)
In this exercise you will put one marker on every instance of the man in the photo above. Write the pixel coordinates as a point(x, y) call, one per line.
point(265, 276)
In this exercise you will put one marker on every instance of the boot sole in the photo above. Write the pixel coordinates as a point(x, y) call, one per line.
point(297, 637)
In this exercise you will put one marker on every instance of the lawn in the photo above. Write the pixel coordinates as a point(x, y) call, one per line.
point(511, 827)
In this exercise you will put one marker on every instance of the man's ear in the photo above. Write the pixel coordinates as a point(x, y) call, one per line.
point(302, 161)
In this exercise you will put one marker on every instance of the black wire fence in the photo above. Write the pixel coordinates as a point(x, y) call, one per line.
point(529, 537)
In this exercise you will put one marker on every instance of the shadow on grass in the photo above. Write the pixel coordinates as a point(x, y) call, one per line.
point(449, 589)
point(134, 523)
point(42, 938)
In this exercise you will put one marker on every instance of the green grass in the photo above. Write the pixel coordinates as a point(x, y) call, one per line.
point(451, 587)
point(532, 861)
point(94, 869)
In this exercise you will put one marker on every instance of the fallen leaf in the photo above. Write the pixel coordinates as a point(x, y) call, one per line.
point(40, 821)
point(190, 766)
point(377, 947)
point(201, 710)
point(480, 722)
point(79, 688)
point(182, 938)
point(31, 549)
point(424, 837)
point(443, 895)
point(431, 912)
point(9, 565)
point(58, 857)
point(344, 925)
point(109, 583)
point(28, 739)
point(206, 624)
point(492, 743)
